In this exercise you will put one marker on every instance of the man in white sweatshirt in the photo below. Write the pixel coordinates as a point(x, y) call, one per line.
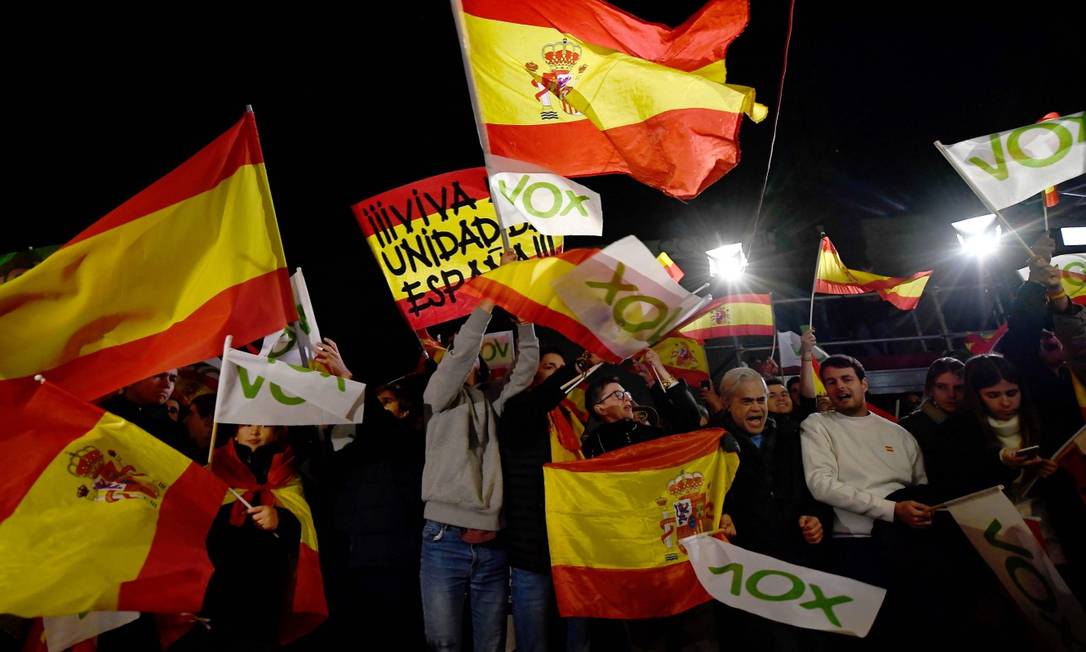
point(853, 459)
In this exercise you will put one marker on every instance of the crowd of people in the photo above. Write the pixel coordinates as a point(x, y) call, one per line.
point(432, 520)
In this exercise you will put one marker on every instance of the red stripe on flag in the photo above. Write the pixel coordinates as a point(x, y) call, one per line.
point(248, 311)
point(175, 574)
point(308, 607)
point(701, 40)
point(36, 427)
point(627, 593)
point(206, 169)
point(663, 453)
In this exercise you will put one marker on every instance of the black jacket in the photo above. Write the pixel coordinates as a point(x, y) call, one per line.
point(524, 436)
point(677, 409)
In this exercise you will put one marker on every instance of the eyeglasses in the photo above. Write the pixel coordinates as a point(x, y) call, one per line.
point(172, 410)
point(620, 394)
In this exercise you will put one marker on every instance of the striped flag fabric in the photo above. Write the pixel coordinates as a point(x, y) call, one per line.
point(98, 515)
point(157, 283)
point(614, 523)
point(733, 315)
point(685, 358)
point(834, 278)
point(583, 88)
point(672, 269)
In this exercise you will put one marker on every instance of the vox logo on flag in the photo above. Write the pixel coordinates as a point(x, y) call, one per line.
point(551, 86)
point(551, 203)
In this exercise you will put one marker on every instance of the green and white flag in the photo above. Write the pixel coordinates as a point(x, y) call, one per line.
point(62, 632)
point(1005, 168)
point(551, 203)
point(783, 592)
point(283, 345)
point(996, 529)
point(270, 392)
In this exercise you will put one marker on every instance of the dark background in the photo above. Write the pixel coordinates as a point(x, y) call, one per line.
point(350, 104)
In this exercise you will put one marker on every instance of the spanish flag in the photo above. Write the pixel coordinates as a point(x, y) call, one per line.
point(673, 270)
point(524, 289)
point(582, 88)
point(733, 315)
point(158, 282)
point(614, 523)
point(833, 277)
point(684, 358)
point(98, 515)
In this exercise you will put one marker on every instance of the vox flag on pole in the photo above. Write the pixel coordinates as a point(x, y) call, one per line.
point(258, 390)
point(283, 345)
point(733, 315)
point(614, 524)
point(625, 297)
point(98, 515)
point(995, 528)
point(582, 88)
point(783, 592)
point(1072, 275)
point(156, 283)
point(834, 278)
point(1006, 168)
point(551, 203)
point(432, 236)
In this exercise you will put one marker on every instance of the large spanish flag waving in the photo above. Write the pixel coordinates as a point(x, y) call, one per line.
point(98, 515)
point(583, 88)
point(158, 282)
point(732, 315)
point(614, 523)
point(834, 278)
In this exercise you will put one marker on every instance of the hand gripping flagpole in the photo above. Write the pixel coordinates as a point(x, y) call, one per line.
point(218, 402)
point(480, 128)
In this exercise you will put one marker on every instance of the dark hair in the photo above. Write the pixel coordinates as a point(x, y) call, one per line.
point(204, 405)
point(794, 380)
point(988, 369)
point(940, 367)
point(595, 389)
point(553, 350)
point(838, 361)
point(403, 396)
point(774, 380)
point(484, 371)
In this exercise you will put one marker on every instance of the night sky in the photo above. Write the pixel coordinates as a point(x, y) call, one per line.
point(350, 105)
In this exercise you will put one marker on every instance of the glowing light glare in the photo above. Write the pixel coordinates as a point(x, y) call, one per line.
point(978, 236)
point(1074, 236)
point(727, 262)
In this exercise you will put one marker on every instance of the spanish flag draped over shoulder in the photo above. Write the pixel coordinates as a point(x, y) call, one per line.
point(98, 515)
point(306, 602)
point(733, 315)
point(158, 282)
point(583, 88)
point(614, 523)
point(834, 278)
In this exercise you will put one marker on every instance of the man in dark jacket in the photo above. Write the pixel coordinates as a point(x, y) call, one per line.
point(944, 388)
point(143, 403)
point(530, 425)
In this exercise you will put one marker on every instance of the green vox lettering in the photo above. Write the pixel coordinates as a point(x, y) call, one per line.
point(565, 202)
point(794, 592)
point(1063, 136)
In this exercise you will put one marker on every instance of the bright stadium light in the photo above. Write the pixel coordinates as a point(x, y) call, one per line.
point(1074, 236)
point(978, 236)
point(727, 262)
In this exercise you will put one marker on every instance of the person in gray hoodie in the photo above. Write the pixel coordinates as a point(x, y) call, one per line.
point(462, 489)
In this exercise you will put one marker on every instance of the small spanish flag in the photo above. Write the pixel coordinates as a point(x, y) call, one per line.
point(732, 315)
point(685, 358)
point(614, 523)
point(96, 514)
point(1052, 198)
point(834, 278)
point(158, 282)
point(673, 270)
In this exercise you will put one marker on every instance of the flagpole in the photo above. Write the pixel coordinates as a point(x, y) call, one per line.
point(218, 403)
point(976, 191)
point(480, 128)
point(1044, 206)
point(814, 283)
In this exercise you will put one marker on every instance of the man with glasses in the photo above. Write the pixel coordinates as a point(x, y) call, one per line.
point(613, 406)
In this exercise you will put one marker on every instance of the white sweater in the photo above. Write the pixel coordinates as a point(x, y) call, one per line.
point(853, 463)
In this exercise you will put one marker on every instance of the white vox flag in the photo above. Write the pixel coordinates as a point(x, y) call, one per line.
point(996, 529)
point(1072, 275)
point(62, 632)
point(551, 203)
point(283, 345)
point(791, 346)
point(783, 592)
point(626, 297)
point(1005, 168)
point(498, 352)
point(268, 392)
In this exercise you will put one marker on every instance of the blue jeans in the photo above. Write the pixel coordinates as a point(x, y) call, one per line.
point(535, 615)
point(452, 571)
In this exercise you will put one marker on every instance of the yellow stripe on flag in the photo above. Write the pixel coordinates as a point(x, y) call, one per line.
point(145, 260)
